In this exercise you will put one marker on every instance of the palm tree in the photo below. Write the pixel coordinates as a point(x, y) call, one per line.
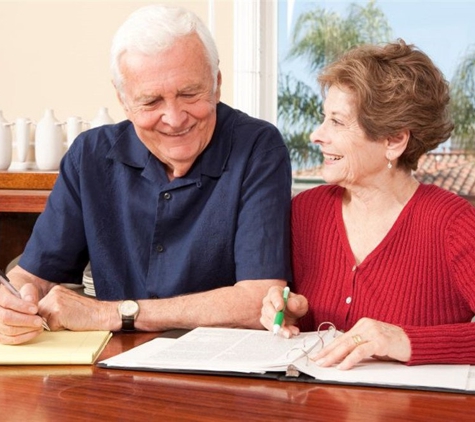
point(319, 37)
point(463, 102)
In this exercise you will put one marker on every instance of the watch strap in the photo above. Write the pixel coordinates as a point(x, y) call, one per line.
point(127, 315)
point(128, 323)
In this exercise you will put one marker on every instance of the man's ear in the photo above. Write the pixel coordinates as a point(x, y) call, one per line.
point(218, 87)
point(397, 144)
point(121, 100)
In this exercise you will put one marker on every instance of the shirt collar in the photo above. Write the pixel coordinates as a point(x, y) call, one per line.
point(128, 148)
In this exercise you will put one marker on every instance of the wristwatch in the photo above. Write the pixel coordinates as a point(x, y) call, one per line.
point(128, 311)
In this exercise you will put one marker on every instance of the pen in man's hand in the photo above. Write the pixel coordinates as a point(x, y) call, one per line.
point(279, 317)
point(6, 282)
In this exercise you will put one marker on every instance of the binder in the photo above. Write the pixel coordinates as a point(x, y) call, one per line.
point(259, 354)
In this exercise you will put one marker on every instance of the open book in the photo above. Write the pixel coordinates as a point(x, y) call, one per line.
point(260, 353)
point(57, 348)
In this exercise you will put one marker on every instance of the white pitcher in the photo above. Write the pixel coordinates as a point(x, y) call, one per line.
point(5, 143)
point(74, 126)
point(102, 118)
point(49, 142)
point(23, 138)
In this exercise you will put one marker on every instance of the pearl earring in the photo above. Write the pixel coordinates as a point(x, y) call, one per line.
point(390, 165)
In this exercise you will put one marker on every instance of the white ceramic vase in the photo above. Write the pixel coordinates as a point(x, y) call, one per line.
point(49, 142)
point(5, 143)
point(22, 138)
point(74, 126)
point(102, 118)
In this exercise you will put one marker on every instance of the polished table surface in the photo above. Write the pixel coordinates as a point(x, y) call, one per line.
point(79, 393)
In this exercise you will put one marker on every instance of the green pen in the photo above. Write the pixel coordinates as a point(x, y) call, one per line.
point(279, 317)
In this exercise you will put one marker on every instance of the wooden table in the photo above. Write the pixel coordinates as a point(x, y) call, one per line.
point(80, 393)
point(23, 197)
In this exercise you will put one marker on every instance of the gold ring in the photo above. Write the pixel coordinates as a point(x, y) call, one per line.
point(357, 339)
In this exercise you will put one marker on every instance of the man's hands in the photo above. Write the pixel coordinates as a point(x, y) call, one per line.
point(19, 321)
point(66, 309)
point(62, 308)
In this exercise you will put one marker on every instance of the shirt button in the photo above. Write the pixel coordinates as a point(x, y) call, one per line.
point(354, 268)
point(167, 195)
point(160, 248)
point(348, 300)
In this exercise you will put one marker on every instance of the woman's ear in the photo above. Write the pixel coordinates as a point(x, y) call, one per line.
point(397, 144)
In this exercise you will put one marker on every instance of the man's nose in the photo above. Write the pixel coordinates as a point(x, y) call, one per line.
point(173, 114)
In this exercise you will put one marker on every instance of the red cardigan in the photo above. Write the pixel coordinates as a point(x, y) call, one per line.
point(420, 277)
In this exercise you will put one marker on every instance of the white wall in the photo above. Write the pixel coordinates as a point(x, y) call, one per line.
point(55, 54)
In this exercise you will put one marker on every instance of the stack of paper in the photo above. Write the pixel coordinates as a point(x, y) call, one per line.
point(57, 348)
point(218, 349)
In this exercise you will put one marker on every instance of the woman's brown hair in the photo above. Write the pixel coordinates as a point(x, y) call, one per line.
point(396, 87)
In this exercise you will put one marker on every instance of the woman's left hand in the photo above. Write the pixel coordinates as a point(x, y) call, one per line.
point(367, 338)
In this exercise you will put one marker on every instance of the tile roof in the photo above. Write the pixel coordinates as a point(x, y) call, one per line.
point(453, 170)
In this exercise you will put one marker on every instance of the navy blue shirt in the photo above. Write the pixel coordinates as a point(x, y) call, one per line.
point(226, 220)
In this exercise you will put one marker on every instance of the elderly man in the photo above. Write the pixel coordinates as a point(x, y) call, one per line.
point(182, 210)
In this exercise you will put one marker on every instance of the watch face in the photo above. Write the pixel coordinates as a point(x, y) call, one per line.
point(129, 308)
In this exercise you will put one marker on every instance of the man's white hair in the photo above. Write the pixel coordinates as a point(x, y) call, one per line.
point(153, 29)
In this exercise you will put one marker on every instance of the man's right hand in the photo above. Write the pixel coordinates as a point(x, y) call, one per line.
point(19, 321)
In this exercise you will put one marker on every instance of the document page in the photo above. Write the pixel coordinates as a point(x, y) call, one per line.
point(132, 357)
point(223, 349)
point(376, 372)
point(471, 379)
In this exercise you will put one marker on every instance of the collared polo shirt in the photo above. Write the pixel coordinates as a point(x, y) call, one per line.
point(145, 236)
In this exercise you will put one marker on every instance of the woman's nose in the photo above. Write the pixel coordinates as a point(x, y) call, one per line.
point(316, 135)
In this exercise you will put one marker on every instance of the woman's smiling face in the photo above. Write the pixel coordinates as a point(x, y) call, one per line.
point(350, 157)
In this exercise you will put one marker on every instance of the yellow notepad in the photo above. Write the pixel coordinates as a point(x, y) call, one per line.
point(57, 348)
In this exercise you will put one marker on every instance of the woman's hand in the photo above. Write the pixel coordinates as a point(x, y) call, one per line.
point(273, 302)
point(368, 338)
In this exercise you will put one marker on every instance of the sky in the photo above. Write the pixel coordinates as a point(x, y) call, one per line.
point(444, 29)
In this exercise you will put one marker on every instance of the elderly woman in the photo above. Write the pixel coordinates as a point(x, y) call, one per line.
point(389, 261)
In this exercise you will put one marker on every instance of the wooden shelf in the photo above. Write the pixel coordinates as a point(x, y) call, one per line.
point(30, 180)
point(23, 196)
point(23, 200)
